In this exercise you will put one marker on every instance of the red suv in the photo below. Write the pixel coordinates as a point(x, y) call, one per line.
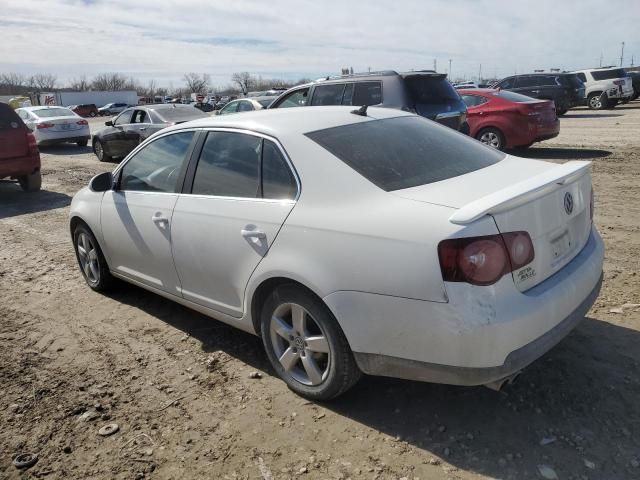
point(86, 110)
point(19, 155)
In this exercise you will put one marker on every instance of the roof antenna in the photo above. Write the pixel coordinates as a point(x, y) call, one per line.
point(362, 111)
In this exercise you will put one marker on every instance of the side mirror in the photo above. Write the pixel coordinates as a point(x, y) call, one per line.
point(102, 182)
point(109, 123)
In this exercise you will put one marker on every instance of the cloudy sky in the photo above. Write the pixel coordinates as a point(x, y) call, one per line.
point(163, 39)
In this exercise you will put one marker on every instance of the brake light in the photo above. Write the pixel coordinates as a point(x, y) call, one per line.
point(40, 126)
point(32, 144)
point(484, 260)
point(82, 122)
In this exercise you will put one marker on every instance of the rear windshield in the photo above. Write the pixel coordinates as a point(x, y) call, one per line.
point(8, 117)
point(428, 89)
point(608, 74)
point(53, 112)
point(513, 97)
point(178, 114)
point(404, 152)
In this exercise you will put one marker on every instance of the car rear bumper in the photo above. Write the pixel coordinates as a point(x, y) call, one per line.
point(483, 334)
point(48, 138)
point(15, 167)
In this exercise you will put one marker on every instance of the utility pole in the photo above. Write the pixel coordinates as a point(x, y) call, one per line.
point(622, 54)
point(632, 60)
point(450, 77)
point(435, 65)
point(601, 59)
point(480, 74)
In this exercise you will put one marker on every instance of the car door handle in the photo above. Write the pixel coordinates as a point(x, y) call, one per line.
point(253, 234)
point(535, 91)
point(142, 128)
point(160, 219)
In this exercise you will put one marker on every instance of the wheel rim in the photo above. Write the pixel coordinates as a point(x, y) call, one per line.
point(490, 138)
point(88, 255)
point(595, 102)
point(300, 344)
point(98, 149)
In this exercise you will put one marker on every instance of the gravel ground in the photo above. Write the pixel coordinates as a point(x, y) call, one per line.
point(179, 384)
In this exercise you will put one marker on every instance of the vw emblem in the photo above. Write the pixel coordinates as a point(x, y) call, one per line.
point(568, 203)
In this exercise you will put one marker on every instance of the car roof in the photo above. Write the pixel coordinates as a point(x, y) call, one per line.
point(164, 106)
point(286, 121)
point(41, 107)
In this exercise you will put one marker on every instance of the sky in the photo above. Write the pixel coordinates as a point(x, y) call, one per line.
point(161, 40)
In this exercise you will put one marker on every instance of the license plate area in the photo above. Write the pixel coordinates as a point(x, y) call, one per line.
point(65, 126)
point(561, 246)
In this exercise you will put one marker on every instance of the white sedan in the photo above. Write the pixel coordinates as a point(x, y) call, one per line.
point(351, 241)
point(55, 125)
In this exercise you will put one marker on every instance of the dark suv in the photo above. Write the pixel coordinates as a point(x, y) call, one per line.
point(565, 89)
point(424, 92)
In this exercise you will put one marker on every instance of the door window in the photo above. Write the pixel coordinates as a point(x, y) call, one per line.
point(506, 83)
point(347, 96)
point(278, 181)
point(229, 166)
point(245, 106)
point(473, 100)
point(124, 118)
point(157, 166)
point(582, 77)
point(328, 94)
point(230, 108)
point(367, 93)
point(140, 116)
point(294, 99)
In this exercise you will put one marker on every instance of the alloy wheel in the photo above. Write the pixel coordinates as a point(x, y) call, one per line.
point(300, 344)
point(490, 138)
point(595, 102)
point(98, 149)
point(88, 255)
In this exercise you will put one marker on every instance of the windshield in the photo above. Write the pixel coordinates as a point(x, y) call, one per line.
point(430, 89)
point(53, 112)
point(405, 152)
point(608, 74)
point(184, 114)
point(513, 97)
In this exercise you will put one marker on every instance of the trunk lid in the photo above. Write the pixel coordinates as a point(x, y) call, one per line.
point(549, 201)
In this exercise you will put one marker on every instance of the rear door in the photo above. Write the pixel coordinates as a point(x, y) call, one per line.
point(229, 216)
point(13, 138)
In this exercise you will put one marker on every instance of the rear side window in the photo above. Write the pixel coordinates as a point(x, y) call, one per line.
point(404, 152)
point(430, 89)
point(277, 180)
point(367, 93)
point(229, 166)
point(9, 119)
point(513, 97)
point(608, 74)
point(328, 94)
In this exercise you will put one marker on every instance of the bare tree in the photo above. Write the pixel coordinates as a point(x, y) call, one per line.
point(12, 82)
point(43, 81)
point(197, 83)
point(80, 84)
point(110, 82)
point(244, 80)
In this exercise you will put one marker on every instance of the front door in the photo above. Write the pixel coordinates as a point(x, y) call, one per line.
point(241, 193)
point(114, 137)
point(136, 216)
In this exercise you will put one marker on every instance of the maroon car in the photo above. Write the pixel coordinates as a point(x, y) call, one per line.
point(504, 119)
point(86, 110)
point(19, 155)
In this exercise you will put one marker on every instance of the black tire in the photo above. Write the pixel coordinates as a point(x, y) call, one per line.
point(82, 143)
point(98, 149)
point(31, 182)
point(596, 100)
point(105, 280)
point(561, 111)
point(492, 137)
point(341, 370)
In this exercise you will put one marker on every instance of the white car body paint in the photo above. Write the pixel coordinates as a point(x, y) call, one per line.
point(65, 126)
point(371, 255)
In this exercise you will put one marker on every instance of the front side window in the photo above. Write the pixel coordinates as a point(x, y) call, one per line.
point(140, 116)
point(245, 106)
point(229, 166)
point(124, 118)
point(157, 166)
point(294, 99)
point(328, 94)
point(404, 152)
point(230, 108)
point(506, 83)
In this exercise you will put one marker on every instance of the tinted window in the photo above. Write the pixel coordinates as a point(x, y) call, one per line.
point(367, 93)
point(294, 99)
point(608, 74)
point(347, 96)
point(229, 166)
point(404, 152)
point(506, 83)
point(9, 118)
point(328, 94)
point(245, 106)
point(473, 100)
point(124, 118)
point(582, 77)
point(277, 179)
point(157, 166)
point(430, 89)
point(139, 116)
point(513, 97)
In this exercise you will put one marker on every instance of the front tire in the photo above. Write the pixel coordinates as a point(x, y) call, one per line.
point(98, 149)
point(305, 344)
point(492, 137)
point(31, 182)
point(91, 261)
point(82, 143)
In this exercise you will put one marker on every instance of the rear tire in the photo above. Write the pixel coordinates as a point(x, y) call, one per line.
point(82, 143)
point(561, 111)
point(91, 261)
point(31, 182)
point(492, 137)
point(595, 100)
point(98, 149)
point(305, 344)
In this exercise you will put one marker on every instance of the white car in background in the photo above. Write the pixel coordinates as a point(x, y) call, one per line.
point(112, 108)
point(350, 241)
point(605, 87)
point(55, 125)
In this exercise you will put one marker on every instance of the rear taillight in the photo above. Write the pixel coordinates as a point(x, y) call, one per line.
point(40, 126)
point(32, 143)
point(484, 260)
point(82, 122)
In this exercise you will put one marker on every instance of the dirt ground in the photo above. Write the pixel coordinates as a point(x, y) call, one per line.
point(178, 384)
